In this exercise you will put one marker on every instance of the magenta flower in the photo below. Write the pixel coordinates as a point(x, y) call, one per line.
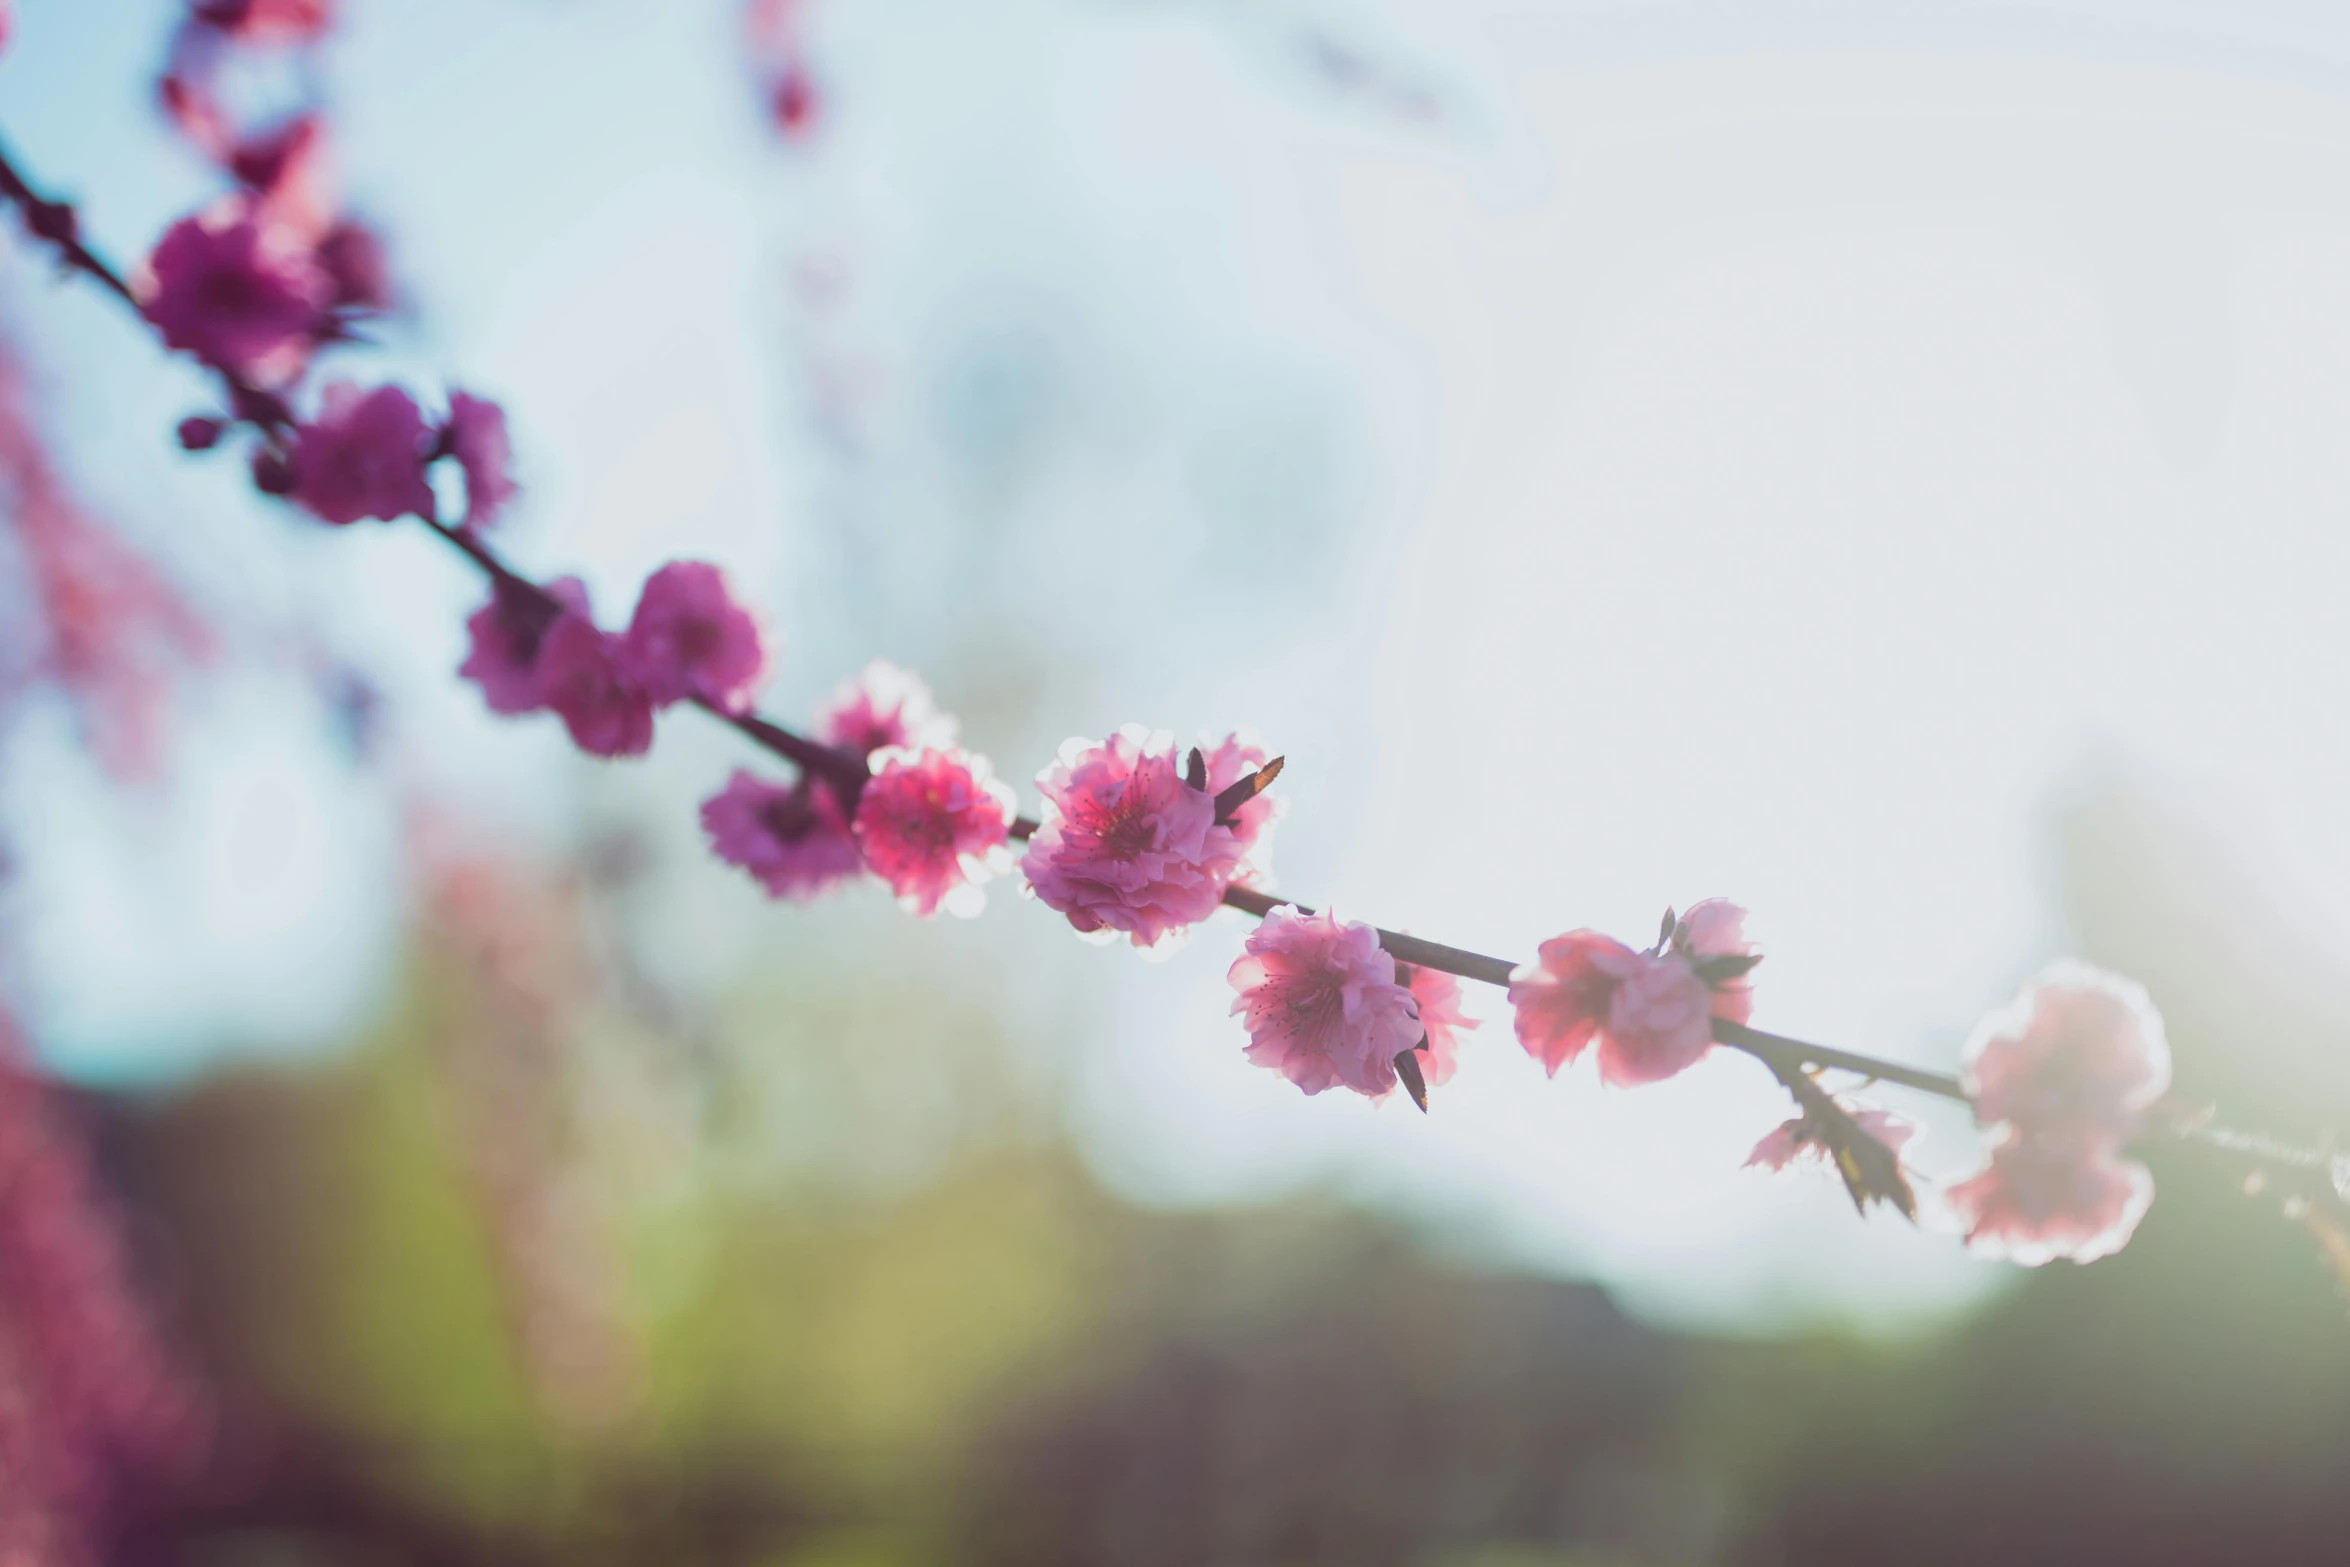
point(507, 634)
point(363, 456)
point(933, 824)
point(2069, 1070)
point(1127, 846)
point(2044, 1198)
point(689, 638)
point(585, 676)
point(476, 436)
point(1651, 1012)
point(881, 707)
point(1438, 997)
point(223, 289)
point(796, 841)
point(1781, 1146)
point(1321, 1003)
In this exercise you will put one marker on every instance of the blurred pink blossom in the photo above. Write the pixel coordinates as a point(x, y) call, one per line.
point(1651, 1012)
point(883, 706)
point(109, 630)
point(475, 435)
point(363, 456)
point(1658, 1023)
point(2068, 1069)
point(291, 182)
point(1563, 996)
point(2041, 1198)
point(586, 678)
point(352, 256)
point(1716, 928)
point(1438, 995)
point(933, 824)
point(689, 638)
point(507, 635)
point(2080, 1050)
point(772, 38)
point(220, 288)
point(795, 841)
point(1126, 845)
point(1321, 1002)
point(265, 21)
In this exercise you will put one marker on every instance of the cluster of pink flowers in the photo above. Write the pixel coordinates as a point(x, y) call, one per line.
point(256, 282)
point(689, 640)
point(1651, 1012)
point(2067, 1073)
point(799, 841)
point(1132, 840)
point(930, 819)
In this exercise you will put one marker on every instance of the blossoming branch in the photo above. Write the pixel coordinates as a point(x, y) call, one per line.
point(1137, 838)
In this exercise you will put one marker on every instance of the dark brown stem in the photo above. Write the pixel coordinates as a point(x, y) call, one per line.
point(53, 223)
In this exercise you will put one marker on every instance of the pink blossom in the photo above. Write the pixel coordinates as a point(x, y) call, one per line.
point(1233, 758)
point(1716, 928)
point(796, 841)
point(1562, 998)
point(363, 456)
point(1658, 1022)
point(1127, 846)
point(1322, 1004)
point(2042, 1198)
point(2068, 1068)
point(585, 676)
point(1651, 1012)
point(933, 824)
point(1784, 1143)
point(476, 436)
point(689, 638)
point(222, 289)
point(508, 633)
point(1438, 997)
point(2080, 1050)
point(883, 706)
